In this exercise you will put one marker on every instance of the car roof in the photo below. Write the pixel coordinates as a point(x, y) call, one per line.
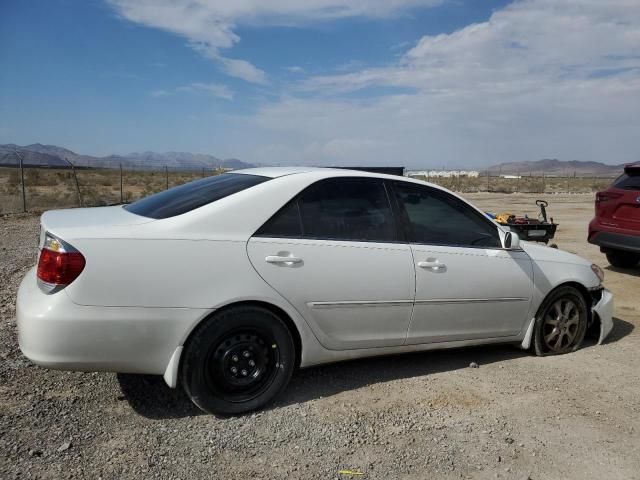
point(328, 172)
point(275, 172)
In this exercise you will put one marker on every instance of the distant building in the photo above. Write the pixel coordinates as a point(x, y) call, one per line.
point(510, 176)
point(443, 173)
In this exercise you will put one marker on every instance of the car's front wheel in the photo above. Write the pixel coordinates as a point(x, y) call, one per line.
point(238, 361)
point(621, 259)
point(561, 322)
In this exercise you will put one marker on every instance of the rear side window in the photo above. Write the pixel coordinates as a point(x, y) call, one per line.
point(436, 218)
point(627, 182)
point(187, 197)
point(284, 224)
point(336, 209)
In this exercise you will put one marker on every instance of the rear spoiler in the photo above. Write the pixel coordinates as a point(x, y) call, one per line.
point(632, 169)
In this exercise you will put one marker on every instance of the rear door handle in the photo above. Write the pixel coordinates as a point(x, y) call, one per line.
point(278, 259)
point(433, 265)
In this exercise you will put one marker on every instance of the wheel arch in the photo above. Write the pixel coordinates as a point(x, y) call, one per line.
point(527, 341)
point(171, 374)
point(584, 292)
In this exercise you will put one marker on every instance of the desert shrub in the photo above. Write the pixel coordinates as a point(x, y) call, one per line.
point(42, 178)
point(13, 178)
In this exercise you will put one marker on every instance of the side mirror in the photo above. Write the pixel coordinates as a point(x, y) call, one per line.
point(511, 241)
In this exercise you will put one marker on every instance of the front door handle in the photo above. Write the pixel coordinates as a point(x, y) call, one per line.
point(433, 265)
point(280, 259)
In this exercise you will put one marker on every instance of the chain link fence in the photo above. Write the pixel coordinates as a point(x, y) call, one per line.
point(31, 188)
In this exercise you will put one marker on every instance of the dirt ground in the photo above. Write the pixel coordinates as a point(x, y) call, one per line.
point(424, 415)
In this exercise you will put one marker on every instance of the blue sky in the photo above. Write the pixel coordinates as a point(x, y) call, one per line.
point(420, 83)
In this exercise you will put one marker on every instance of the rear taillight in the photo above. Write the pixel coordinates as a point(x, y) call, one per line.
point(59, 264)
point(606, 196)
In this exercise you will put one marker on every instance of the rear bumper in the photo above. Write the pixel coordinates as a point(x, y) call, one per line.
point(56, 333)
point(609, 238)
point(604, 310)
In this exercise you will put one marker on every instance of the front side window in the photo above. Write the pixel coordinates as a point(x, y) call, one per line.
point(336, 209)
point(437, 218)
point(192, 195)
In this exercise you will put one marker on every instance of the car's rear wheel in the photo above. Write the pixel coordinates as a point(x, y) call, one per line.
point(622, 259)
point(238, 361)
point(561, 322)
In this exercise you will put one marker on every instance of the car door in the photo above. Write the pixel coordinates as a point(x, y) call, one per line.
point(333, 253)
point(467, 285)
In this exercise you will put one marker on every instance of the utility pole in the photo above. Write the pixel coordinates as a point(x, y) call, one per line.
point(121, 189)
point(166, 176)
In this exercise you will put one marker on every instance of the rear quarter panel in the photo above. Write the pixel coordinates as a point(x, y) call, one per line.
point(182, 274)
point(163, 273)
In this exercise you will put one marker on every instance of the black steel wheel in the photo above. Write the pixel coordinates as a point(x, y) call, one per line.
point(242, 364)
point(238, 361)
point(561, 322)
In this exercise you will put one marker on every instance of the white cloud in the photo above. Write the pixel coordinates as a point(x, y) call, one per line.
point(540, 78)
point(528, 44)
point(211, 89)
point(159, 93)
point(243, 69)
point(209, 25)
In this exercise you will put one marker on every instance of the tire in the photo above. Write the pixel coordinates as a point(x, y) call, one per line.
point(621, 259)
point(561, 322)
point(238, 361)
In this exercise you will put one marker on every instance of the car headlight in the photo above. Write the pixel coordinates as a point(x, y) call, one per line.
point(598, 271)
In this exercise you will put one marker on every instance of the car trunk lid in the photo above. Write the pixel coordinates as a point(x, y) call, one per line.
point(74, 221)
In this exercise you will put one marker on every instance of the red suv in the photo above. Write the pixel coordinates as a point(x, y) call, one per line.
point(616, 226)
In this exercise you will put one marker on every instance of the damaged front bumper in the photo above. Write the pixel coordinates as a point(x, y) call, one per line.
point(602, 311)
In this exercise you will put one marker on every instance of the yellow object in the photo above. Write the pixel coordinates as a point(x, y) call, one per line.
point(503, 218)
point(350, 472)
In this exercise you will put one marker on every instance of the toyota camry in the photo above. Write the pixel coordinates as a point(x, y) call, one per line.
point(227, 284)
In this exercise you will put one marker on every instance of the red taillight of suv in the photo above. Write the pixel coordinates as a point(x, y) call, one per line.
point(606, 196)
point(59, 264)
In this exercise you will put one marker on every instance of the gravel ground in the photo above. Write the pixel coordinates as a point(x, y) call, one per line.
point(426, 415)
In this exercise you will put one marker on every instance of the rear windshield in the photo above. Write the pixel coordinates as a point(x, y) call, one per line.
point(627, 182)
point(190, 196)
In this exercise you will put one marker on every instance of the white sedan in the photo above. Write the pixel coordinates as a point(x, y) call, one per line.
point(225, 285)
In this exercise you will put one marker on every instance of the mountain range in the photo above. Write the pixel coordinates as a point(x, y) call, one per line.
point(53, 156)
point(38, 154)
point(552, 166)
